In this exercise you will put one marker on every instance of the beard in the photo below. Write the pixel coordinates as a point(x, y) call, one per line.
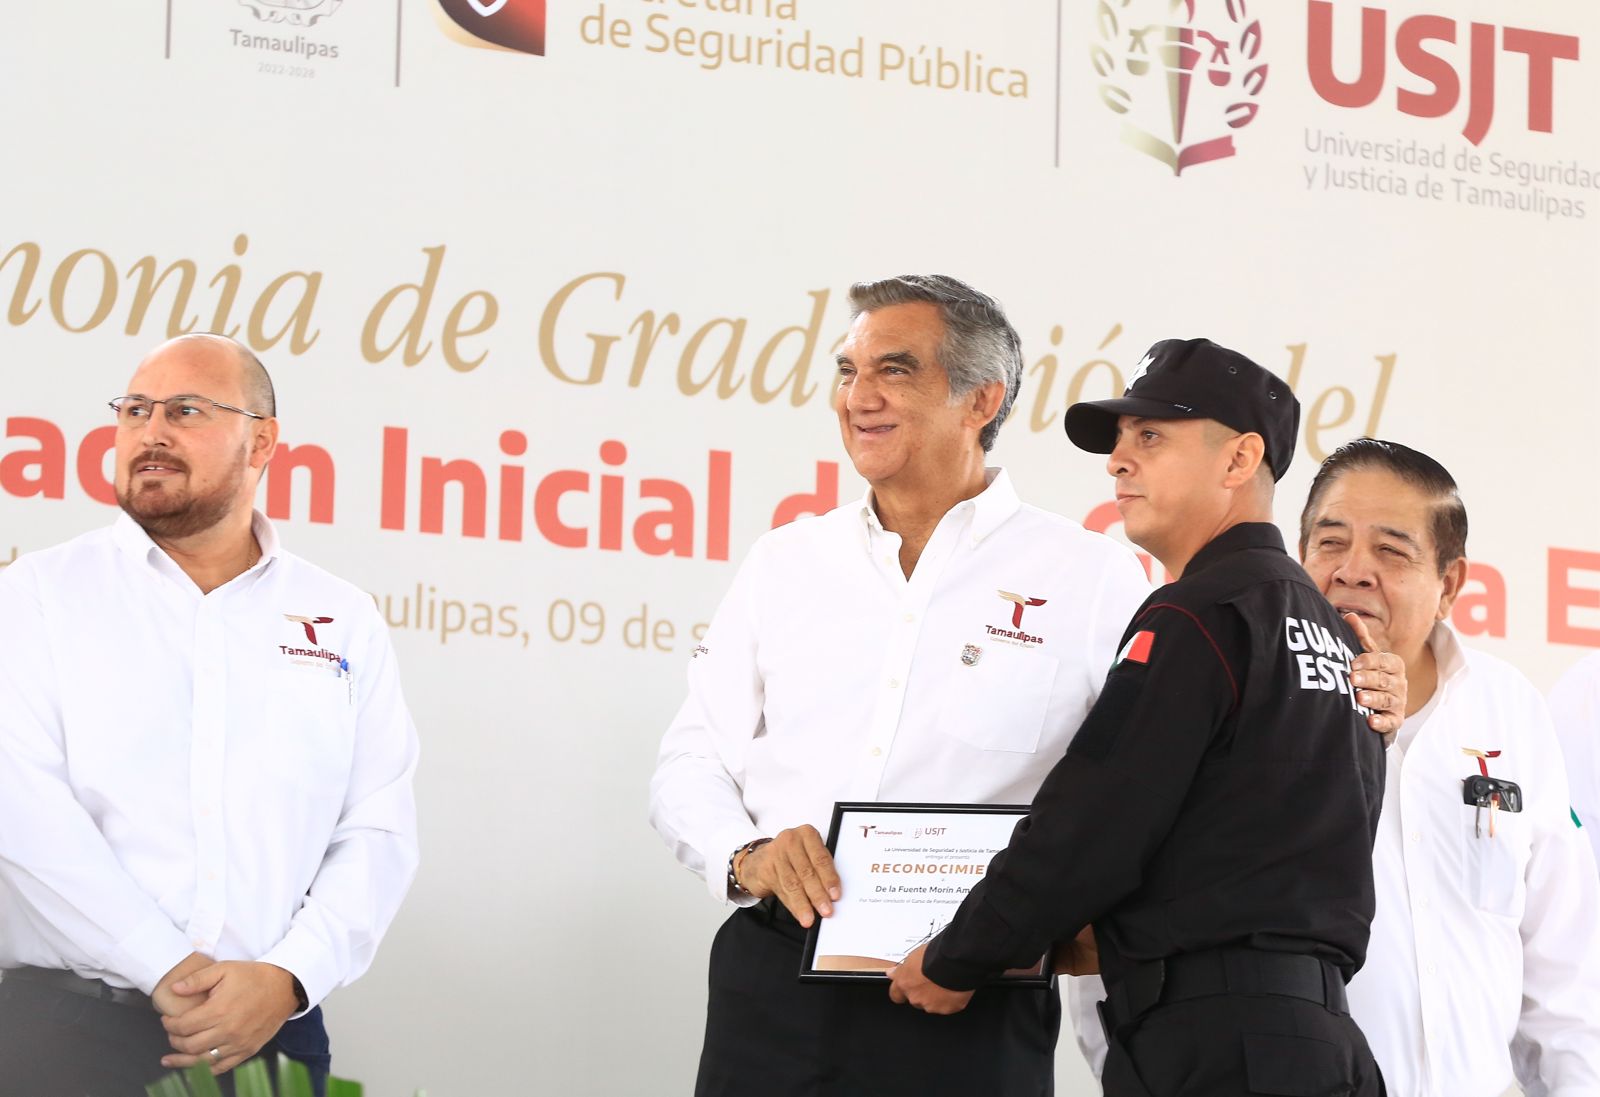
point(170, 513)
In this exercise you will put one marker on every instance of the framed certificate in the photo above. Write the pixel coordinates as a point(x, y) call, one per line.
point(903, 871)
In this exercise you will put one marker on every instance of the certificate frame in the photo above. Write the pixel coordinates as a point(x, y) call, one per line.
point(870, 966)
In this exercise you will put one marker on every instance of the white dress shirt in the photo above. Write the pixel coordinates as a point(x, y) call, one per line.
point(195, 772)
point(828, 675)
point(1484, 962)
point(1575, 708)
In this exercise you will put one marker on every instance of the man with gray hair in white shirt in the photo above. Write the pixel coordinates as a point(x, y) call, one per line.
point(206, 811)
point(1484, 961)
point(938, 640)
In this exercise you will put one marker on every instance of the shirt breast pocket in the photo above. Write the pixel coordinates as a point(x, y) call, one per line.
point(312, 724)
point(999, 702)
point(1491, 867)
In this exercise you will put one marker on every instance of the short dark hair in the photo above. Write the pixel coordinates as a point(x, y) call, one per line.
point(979, 345)
point(1410, 466)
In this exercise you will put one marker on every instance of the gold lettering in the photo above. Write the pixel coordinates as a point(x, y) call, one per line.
point(63, 276)
point(602, 343)
point(149, 283)
point(21, 312)
point(299, 319)
point(723, 370)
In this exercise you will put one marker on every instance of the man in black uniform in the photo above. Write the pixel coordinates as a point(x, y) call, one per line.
point(1214, 816)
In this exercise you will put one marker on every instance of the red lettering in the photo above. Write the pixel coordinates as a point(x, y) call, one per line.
point(547, 508)
point(612, 453)
point(392, 514)
point(1481, 112)
point(1565, 597)
point(1481, 612)
point(438, 475)
point(513, 443)
point(1319, 57)
point(48, 462)
point(280, 472)
point(1437, 71)
point(1543, 49)
point(92, 465)
point(677, 518)
point(719, 489)
point(824, 499)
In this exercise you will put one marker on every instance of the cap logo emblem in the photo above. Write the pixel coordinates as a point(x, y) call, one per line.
point(1141, 369)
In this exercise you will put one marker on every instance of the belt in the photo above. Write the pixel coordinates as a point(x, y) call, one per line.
point(1242, 971)
point(66, 981)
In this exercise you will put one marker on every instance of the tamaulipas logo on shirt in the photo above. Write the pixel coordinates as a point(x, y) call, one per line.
point(316, 655)
point(1015, 634)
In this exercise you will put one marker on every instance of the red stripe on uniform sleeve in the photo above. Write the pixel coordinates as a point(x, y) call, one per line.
point(1232, 681)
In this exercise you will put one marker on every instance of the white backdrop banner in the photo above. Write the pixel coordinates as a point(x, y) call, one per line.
point(550, 291)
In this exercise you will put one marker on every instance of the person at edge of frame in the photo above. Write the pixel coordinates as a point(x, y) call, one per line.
point(206, 763)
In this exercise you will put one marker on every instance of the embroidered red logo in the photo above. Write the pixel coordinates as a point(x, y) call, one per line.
point(309, 623)
point(1019, 603)
point(1482, 756)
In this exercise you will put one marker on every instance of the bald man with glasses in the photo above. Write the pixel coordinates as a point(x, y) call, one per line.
point(206, 811)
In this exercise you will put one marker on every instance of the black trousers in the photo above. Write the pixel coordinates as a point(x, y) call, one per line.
point(54, 1043)
point(1228, 1045)
point(768, 1034)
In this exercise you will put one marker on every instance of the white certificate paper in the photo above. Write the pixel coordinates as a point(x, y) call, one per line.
point(903, 871)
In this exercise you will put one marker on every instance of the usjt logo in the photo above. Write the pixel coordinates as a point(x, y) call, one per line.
point(1184, 74)
point(514, 25)
point(1444, 54)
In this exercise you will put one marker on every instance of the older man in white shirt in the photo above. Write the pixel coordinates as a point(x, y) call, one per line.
point(1484, 961)
point(206, 814)
point(937, 640)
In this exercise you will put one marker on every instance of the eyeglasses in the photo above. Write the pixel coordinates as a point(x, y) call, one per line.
point(182, 411)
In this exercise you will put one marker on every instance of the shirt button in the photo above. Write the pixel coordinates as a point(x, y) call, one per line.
point(205, 813)
point(211, 876)
point(199, 942)
point(894, 683)
point(1416, 836)
point(910, 617)
point(877, 752)
point(1433, 969)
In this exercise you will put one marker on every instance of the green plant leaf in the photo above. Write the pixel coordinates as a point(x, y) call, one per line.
point(201, 1083)
point(293, 1078)
point(343, 1087)
point(250, 1079)
point(169, 1085)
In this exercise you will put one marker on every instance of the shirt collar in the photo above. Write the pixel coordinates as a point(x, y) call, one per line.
point(1245, 535)
point(989, 508)
point(1447, 653)
point(131, 538)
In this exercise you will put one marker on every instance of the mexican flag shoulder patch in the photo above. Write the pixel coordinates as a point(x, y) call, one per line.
point(1137, 649)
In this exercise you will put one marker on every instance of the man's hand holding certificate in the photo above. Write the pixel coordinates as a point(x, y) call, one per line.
point(901, 872)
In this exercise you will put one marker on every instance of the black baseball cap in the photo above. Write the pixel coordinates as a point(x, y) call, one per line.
point(1196, 379)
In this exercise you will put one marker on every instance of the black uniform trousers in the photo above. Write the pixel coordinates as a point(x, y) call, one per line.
point(1235, 1021)
point(769, 1034)
point(56, 1043)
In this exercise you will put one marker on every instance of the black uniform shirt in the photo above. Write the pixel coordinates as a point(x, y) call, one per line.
point(1224, 788)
